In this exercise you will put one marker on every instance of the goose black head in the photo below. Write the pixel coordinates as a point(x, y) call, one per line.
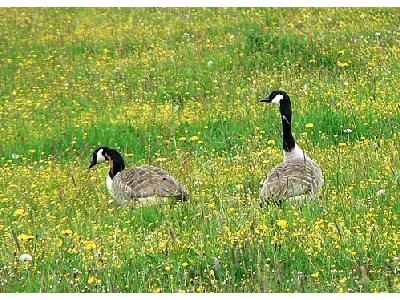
point(282, 99)
point(99, 156)
point(276, 97)
point(103, 154)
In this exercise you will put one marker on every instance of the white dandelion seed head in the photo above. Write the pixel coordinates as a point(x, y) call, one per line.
point(25, 257)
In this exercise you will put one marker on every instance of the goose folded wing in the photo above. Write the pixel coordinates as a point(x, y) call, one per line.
point(289, 179)
point(148, 181)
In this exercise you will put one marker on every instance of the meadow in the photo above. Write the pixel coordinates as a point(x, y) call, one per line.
point(179, 88)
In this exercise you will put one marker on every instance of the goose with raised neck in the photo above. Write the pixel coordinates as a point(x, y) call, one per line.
point(298, 175)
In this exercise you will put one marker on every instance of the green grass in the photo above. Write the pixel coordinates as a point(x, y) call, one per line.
point(179, 88)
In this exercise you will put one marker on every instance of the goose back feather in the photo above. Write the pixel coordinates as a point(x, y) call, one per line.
point(292, 178)
point(145, 182)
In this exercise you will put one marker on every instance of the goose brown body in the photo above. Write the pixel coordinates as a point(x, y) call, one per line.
point(292, 178)
point(146, 184)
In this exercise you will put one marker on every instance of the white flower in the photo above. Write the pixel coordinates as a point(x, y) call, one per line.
point(25, 257)
point(381, 192)
point(348, 130)
point(210, 63)
point(14, 156)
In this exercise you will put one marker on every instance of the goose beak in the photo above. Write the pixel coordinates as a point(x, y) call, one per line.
point(266, 99)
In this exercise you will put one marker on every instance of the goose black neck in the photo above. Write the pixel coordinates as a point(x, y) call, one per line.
point(117, 162)
point(286, 114)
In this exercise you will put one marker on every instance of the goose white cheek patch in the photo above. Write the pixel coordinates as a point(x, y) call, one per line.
point(100, 156)
point(277, 99)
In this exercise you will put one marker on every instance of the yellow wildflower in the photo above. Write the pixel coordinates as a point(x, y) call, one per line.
point(342, 65)
point(282, 223)
point(185, 264)
point(315, 275)
point(19, 212)
point(25, 237)
point(194, 138)
point(90, 245)
point(66, 232)
point(309, 125)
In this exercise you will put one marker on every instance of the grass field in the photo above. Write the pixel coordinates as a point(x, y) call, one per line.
point(178, 88)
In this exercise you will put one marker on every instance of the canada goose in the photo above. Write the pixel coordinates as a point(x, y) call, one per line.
point(298, 175)
point(145, 184)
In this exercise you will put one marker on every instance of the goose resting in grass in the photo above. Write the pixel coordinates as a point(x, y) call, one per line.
point(298, 176)
point(145, 184)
